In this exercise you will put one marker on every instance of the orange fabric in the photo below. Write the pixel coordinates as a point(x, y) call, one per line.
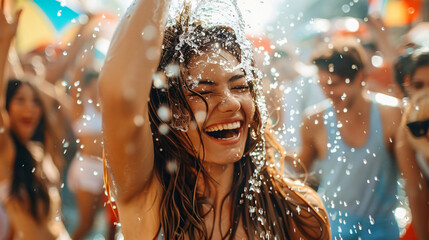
point(402, 12)
point(113, 213)
point(410, 234)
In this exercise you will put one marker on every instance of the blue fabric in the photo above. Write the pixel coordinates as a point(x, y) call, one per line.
point(348, 227)
point(358, 184)
point(51, 9)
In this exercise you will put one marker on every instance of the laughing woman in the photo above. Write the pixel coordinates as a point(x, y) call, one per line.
point(29, 179)
point(185, 134)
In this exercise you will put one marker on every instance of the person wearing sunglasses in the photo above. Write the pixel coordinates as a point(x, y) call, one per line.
point(412, 151)
point(412, 74)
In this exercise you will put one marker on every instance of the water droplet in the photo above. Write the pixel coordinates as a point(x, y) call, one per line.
point(164, 129)
point(377, 61)
point(138, 120)
point(149, 32)
point(152, 53)
point(172, 70)
point(345, 8)
point(253, 134)
point(371, 220)
point(159, 80)
point(171, 166)
point(164, 113)
point(200, 116)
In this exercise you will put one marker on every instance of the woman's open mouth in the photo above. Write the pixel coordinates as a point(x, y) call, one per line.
point(225, 131)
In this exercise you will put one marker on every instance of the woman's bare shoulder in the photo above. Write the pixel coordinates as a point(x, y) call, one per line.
point(311, 218)
point(306, 193)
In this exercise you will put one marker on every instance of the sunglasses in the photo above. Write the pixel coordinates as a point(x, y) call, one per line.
point(419, 128)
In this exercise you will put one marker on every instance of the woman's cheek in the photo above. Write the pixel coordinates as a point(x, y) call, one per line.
point(249, 107)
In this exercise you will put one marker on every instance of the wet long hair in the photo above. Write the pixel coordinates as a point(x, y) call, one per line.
point(27, 186)
point(178, 166)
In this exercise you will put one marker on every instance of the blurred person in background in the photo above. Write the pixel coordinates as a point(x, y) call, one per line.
point(30, 158)
point(348, 146)
point(85, 175)
point(295, 90)
point(413, 139)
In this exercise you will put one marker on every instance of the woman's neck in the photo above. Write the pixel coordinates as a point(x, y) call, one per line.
point(220, 184)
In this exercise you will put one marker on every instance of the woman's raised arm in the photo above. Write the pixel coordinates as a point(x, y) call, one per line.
point(125, 84)
point(7, 33)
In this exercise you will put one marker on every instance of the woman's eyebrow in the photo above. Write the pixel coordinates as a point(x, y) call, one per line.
point(212, 83)
point(207, 82)
point(236, 77)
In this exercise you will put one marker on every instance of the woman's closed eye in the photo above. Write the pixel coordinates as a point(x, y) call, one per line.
point(200, 92)
point(417, 85)
point(19, 99)
point(241, 88)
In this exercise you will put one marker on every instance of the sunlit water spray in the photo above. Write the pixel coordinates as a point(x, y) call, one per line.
point(224, 13)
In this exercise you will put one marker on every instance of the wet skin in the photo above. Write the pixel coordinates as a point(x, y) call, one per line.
point(224, 87)
point(339, 89)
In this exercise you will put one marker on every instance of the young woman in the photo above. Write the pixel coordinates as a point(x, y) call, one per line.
point(85, 176)
point(29, 179)
point(413, 141)
point(188, 154)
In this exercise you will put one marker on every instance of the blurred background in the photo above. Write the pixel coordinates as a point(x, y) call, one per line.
point(385, 27)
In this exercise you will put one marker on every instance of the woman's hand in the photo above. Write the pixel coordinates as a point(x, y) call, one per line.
point(7, 28)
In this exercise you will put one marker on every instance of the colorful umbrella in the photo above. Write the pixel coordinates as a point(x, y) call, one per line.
point(43, 22)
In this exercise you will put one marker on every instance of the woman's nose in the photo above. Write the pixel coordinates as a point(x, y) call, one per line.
point(229, 103)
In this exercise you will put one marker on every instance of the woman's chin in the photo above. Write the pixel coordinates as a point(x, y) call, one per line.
point(226, 156)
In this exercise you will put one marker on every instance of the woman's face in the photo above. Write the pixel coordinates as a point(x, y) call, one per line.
point(24, 112)
point(420, 144)
point(420, 80)
point(216, 75)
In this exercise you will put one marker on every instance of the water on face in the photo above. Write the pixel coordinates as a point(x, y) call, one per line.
point(223, 13)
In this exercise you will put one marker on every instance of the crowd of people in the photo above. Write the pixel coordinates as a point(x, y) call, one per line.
point(179, 135)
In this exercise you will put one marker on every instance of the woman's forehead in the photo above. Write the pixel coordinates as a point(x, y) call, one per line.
point(213, 62)
point(25, 89)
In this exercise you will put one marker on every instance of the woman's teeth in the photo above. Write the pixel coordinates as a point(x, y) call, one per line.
point(224, 131)
point(226, 126)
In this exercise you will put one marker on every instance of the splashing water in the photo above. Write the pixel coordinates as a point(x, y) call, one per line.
point(225, 13)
